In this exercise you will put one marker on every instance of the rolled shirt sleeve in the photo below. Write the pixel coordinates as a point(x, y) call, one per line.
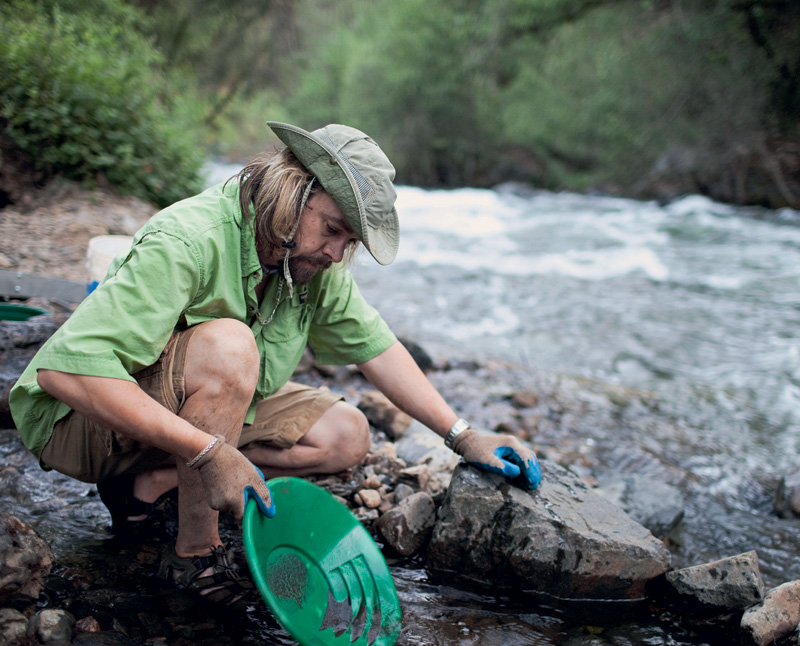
point(123, 326)
point(119, 329)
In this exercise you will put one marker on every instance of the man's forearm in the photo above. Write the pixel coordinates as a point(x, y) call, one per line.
point(124, 407)
point(396, 374)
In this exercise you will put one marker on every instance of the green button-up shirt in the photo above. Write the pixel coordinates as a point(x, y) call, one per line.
point(193, 262)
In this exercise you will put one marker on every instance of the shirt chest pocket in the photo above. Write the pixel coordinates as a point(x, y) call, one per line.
point(291, 320)
point(282, 343)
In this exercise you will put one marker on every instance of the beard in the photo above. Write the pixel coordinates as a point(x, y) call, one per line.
point(304, 268)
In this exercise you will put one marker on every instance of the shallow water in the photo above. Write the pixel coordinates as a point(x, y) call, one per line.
point(696, 302)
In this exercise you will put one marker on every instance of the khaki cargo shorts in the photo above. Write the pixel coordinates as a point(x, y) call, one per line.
point(87, 451)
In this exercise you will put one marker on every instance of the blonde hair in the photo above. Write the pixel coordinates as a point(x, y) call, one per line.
point(271, 189)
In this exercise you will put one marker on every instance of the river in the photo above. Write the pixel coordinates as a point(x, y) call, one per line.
point(692, 296)
point(691, 300)
point(695, 301)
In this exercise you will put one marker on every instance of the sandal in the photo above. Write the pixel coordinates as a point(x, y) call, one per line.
point(117, 495)
point(224, 585)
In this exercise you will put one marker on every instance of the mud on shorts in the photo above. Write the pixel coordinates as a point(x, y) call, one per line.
point(87, 451)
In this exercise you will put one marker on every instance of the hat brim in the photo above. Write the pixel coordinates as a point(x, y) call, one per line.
point(322, 161)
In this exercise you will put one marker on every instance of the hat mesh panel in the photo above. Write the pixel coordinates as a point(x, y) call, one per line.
point(364, 187)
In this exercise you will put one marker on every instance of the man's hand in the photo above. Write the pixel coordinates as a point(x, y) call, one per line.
point(229, 479)
point(501, 454)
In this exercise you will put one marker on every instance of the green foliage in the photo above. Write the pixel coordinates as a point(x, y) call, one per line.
point(229, 47)
point(82, 95)
point(562, 93)
point(241, 131)
point(611, 93)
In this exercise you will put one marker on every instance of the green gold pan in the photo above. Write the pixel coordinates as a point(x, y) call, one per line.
point(318, 569)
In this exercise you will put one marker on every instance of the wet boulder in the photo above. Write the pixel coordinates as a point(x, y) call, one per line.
point(728, 584)
point(651, 502)
point(776, 617)
point(25, 559)
point(19, 341)
point(562, 539)
point(407, 526)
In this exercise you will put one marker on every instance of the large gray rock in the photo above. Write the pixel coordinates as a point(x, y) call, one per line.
point(563, 539)
point(728, 584)
point(774, 618)
point(25, 559)
point(651, 502)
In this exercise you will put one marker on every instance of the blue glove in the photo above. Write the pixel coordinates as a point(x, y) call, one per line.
point(249, 491)
point(501, 454)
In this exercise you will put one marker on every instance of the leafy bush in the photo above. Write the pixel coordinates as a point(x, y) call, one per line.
point(82, 96)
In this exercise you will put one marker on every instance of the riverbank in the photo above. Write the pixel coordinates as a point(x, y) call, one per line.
point(47, 231)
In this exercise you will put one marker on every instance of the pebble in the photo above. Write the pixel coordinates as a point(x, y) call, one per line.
point(88, 625)
point(373, 482)
point(51, 625)
point(402, 491)
point(369, 498)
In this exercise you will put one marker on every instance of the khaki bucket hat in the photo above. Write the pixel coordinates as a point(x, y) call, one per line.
point(357, 175)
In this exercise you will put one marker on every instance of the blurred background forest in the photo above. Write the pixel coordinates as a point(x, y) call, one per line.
point(643, 98)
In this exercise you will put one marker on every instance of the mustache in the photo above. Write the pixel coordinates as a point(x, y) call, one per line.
point(323, 262)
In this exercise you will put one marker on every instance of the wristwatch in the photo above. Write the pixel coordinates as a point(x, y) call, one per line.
point(455, 430)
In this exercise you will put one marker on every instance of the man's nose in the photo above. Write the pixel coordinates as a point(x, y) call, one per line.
point(335, 250)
